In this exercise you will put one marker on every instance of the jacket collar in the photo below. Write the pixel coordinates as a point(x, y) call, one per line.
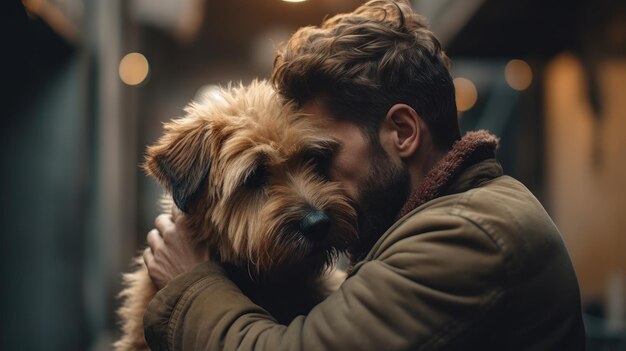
point(459, 170)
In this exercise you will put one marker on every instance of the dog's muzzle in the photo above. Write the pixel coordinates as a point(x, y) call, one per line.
point(315, 225)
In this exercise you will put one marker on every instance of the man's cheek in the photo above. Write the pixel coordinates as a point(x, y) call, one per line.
point(338, 174)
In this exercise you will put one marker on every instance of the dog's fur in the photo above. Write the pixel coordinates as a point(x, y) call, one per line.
point(246, 170)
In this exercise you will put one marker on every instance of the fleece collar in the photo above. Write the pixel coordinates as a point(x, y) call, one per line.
point(473, 148)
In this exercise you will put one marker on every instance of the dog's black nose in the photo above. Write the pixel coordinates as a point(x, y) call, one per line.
point(315, 225)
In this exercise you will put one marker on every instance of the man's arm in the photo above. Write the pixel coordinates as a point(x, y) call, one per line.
point(434, 277)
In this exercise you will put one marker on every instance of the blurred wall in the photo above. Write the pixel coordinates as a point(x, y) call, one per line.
point(43, 185)
point(586, 168)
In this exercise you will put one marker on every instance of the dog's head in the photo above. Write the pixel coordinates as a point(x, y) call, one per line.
point(250, 173)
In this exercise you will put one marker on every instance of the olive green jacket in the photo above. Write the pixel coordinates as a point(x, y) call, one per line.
point(481, 267)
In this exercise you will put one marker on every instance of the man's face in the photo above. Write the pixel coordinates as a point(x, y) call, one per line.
point(377, 185)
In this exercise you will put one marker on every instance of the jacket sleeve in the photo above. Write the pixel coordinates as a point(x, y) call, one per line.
point(427, 284)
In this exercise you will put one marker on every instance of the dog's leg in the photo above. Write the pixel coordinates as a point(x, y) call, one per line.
point(137, 294)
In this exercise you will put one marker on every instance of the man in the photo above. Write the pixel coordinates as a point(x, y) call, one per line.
point(452, 254)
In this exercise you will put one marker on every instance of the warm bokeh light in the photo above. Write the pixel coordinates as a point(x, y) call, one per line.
point(134, 68)
point(466, 94)
point(518, 74)
point(294, 0)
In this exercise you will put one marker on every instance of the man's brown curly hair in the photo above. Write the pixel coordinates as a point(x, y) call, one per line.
point(361, 63)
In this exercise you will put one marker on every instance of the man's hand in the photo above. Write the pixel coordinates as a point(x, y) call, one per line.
point(170, 251)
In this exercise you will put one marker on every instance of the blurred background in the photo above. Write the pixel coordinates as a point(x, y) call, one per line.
point(86, 84)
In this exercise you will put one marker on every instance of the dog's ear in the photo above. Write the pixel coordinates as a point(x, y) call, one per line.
point(181, 160)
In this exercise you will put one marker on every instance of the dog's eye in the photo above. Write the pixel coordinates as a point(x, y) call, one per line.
point(321, 164)
point(257, 178)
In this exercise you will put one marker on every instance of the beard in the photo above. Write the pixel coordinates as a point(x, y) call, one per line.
point(381, 195)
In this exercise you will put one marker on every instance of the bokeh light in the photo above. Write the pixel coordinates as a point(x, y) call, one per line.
point(466, 94)
point(134, 68)
point(518, 74)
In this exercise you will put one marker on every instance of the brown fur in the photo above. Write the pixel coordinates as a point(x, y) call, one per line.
point(246, 171)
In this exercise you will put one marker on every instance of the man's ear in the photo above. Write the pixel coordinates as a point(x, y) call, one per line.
point(406, 127)
point(181, 161)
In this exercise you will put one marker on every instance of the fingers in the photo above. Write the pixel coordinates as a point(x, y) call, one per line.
point(148, 257)
point(170, 227)
point(153, 267)
point(163, 223)
point(176, 213)
point(165, 226)
point(155, 241)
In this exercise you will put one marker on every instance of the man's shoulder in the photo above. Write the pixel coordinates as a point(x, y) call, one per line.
point(494, 242)
point(502, 210)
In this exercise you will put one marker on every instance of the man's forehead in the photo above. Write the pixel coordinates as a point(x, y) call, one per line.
point(315, 108)
point(318, 113)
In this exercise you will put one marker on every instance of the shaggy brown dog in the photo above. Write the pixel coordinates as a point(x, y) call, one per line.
point(250, 174)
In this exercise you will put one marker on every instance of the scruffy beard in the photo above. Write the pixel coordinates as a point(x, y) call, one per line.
point(382, 194)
